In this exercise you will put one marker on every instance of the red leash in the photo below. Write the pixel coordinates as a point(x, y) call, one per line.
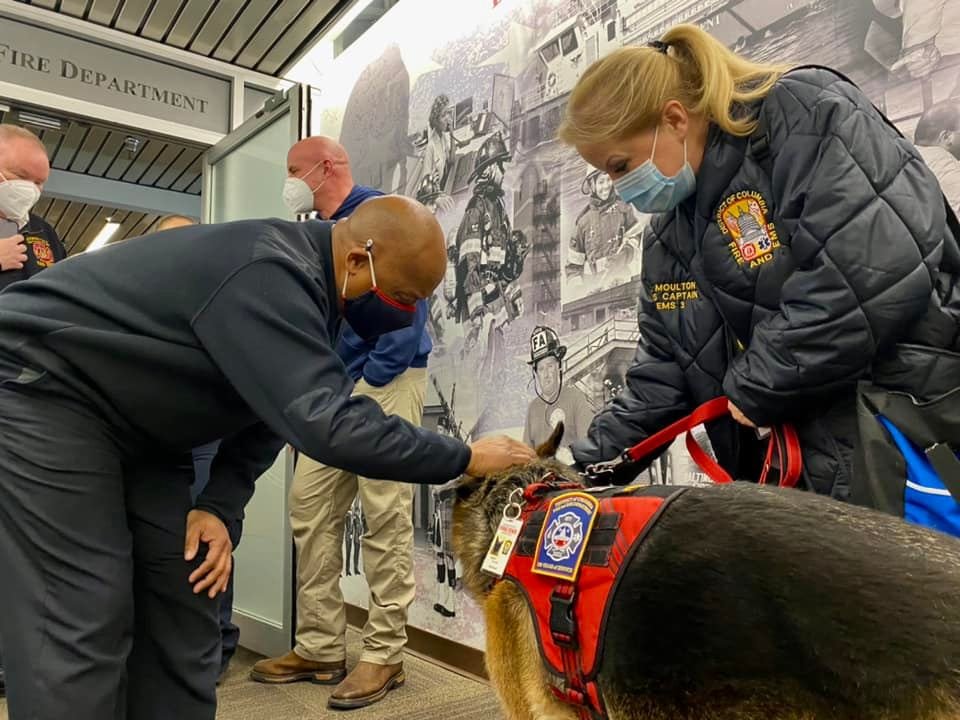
point(783, 442)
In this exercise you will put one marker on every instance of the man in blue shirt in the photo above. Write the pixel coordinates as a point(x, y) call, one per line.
point(391, 369)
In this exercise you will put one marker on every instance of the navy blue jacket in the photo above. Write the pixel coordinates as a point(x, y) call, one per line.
point(236, 344)
point(813, 255)
point(44, 248)
point(380, 361)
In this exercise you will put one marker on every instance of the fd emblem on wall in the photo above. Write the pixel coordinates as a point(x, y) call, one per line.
point(743, 218)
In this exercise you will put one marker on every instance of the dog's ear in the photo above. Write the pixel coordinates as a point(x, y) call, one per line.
point(549, 448)
point(467, 486)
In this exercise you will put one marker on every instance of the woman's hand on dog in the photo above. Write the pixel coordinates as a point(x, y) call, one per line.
point(495, 453)
point(214, 572)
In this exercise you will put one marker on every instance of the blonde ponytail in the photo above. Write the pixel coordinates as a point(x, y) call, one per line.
point(624, 93)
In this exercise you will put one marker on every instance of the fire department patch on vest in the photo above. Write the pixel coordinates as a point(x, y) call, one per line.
point(41, 250)
point(564, 535)
point(743, 218)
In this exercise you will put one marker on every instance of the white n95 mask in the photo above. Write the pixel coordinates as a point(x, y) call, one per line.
point(17, 198)
point(297, 195)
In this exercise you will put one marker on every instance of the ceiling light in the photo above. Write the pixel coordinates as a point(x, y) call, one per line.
point(41, 121)
point(103, 237)
point(4, 108)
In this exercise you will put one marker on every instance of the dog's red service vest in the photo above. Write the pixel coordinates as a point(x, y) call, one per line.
point(573, 548)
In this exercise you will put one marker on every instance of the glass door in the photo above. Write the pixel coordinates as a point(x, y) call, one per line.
point(243, 179)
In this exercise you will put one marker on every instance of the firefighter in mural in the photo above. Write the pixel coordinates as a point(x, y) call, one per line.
point(554, 403)
point(937, 138)
point(488, 256)
point(931, 30)
point(439, 154)
point(441, 535)
point(353, 529)
point(602, 245)
point(440, 532)
point(429, 194)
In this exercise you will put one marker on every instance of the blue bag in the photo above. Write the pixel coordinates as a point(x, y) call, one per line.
point(926, 500)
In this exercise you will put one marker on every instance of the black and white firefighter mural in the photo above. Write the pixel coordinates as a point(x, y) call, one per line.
point(354, 527)
point(440, 532)
point(537, 317)
point(430, 195)
point(438, 147)
point(375, 120)
point(441, 529)
point(931, 31)
point(604, 247)
point(486, 260)
point(937, 137)
point(555, 402)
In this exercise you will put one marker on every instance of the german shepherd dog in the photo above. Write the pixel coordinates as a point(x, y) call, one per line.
point(742, 603)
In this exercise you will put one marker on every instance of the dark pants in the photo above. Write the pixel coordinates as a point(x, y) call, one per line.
point(98, 620)
point(229, 633)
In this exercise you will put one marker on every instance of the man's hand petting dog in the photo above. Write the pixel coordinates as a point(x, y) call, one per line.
point(495, 454)
point(214, 572)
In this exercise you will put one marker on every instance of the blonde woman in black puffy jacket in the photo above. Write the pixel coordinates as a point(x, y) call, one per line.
point(802, 263)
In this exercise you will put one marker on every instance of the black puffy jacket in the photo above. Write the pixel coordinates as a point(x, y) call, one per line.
point(812, 252)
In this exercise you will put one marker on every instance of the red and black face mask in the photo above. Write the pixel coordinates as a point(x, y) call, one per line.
point(374, 313)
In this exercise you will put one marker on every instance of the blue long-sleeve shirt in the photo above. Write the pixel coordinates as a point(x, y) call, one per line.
point(380, 361)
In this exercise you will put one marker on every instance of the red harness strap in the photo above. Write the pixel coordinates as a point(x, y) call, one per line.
point(783, 441)
point(570, 616)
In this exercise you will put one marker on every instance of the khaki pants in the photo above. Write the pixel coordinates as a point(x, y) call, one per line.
point(319, 501)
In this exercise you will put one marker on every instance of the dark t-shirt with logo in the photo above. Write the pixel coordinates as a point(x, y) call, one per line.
point(44, 248)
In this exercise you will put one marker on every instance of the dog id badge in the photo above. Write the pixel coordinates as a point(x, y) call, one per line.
point(564, 535)
point(504, 542)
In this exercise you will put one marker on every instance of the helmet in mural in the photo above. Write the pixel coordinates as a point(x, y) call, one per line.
point(544, 342)
point(428, 191)
point(586, 187)
point(493, 150)
point(593, 181)
point(441, 104)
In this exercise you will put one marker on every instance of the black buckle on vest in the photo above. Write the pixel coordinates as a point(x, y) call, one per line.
point(563, 624)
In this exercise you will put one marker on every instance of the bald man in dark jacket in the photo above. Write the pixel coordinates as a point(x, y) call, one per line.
point(130, 357)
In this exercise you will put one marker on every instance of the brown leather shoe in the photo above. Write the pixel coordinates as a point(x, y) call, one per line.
point(366, 684)
point(292, 668)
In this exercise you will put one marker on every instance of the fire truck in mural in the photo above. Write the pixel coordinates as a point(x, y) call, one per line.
point(572, 46)
point(584, 30)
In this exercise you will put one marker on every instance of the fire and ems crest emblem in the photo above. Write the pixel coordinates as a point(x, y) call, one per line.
point(564, 535)
point(743, 218)
point(41, 250)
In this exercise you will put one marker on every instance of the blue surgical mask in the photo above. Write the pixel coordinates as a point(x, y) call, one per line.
point(375, 313)
point(650, 191)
